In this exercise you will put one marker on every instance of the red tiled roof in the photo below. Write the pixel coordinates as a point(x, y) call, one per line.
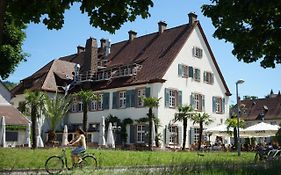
point(12, 115)
point(254, 108)
point(155, 52)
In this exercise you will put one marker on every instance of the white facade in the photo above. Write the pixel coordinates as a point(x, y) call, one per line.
point(173, 81)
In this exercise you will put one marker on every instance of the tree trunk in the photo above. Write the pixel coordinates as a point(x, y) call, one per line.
point(235, 137)
point(184, 133)
point(157, 139)
point(33, 126)
point(150, 129)
point(85, 116)
point(52, 137)
point(200, 135)
point(2, 19)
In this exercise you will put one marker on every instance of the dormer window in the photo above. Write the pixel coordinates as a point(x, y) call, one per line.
point(197, 52)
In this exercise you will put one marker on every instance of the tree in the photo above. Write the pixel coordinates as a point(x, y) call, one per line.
point(86, 96)
point(55, 109)
point(150, 102)
point(184, 113)
point(201, 119)
point(108, 15)
point(10, 85)
point(11, 52)
point(35, 101)
point(232, 122)
point(253, 27)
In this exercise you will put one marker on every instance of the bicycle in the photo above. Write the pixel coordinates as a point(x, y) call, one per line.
point(55, 164)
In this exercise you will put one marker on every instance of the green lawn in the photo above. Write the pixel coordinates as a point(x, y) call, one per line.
point(13, 158)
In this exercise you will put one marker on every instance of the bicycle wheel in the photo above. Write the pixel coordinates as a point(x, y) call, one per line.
point(54, 165)
point(88, 164)
point(257, 158)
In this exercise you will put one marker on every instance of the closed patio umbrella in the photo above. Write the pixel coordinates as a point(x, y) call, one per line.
point(64, 136)
point(27, 136)
point(102, 142)
point(153, 135)
point(110, 138)
point(3, 132)
point(38, 136)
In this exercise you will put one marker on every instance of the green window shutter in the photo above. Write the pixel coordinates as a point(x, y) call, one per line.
point(223, 105)
point(133, 133)
point(133, 98)
point(180, 70)
point(167, 135)
point(190, 71)
point(128, 99)
point(203, 103)
point(105, 100)
point(167, 95)
point(214, 99)
point(192, 100)
point(180, 135)
point(191, 135)
point(179, 98)
point(147, 92)
point(212, 78)
point(114, 100)
point(205, 76)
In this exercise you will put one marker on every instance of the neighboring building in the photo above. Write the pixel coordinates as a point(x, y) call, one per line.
point(4, 91)
point(266, 109)
point(16, 124)
point(176, 65)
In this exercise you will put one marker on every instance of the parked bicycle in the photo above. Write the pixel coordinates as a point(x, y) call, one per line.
point(56, 164)
point(267, 155)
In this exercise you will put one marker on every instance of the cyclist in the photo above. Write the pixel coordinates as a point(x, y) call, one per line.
point(80, 141)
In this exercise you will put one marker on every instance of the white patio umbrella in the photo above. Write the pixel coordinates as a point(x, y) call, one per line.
point(110, 138)
point(102, 133)
point(27, 136)
point(64, 141)
point(260, 130)
point(39, 140)
point(220, 130)
point(3, 132)
point(153, 135)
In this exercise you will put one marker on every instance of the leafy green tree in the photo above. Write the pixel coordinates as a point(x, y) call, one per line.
point(55, 109)
point(108, 15)
point(11, 53)
point(184, 113)
point(201, 119)
point(253, 27)
point(150, 102)
point(232, 122)
point(86, 96)
point(35, 101)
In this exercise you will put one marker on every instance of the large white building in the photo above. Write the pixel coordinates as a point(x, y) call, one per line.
point(176, 65)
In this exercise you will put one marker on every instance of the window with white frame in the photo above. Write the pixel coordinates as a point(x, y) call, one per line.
point(97, 104)
point(196, 135)
point(173, 135)
point(140, 133)
point(185, 71)
point(208, 77)
point(197, 52)
point(122, 99)
point(218, 105)
point(196, 74)
point(198, 102)
point(172, 98)
point(141, 95)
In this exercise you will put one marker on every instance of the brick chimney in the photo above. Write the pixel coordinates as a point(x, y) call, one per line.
point(80, 49)
point(91, 56)
point(161, 26)
point(132, 35)
point(103, 43)
point(192, 17)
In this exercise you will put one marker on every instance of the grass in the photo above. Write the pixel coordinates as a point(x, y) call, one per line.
point(16, 158)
